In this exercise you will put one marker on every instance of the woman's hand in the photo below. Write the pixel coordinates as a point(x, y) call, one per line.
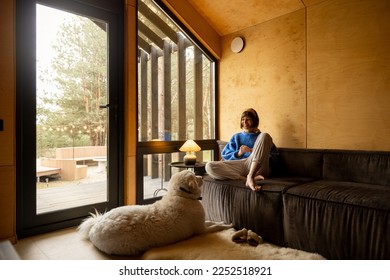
point(244, 149)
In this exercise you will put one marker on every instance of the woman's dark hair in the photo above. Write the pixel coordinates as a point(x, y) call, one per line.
point(252, 114)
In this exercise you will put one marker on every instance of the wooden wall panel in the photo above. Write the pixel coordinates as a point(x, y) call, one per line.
point(308, 3)
point(130, 102)
point(268, 75)
point(7, 203)
point(7, 113)
point(7, 83)
point(349, 74)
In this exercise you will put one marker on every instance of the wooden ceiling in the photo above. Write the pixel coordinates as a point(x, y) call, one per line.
point(229, 16)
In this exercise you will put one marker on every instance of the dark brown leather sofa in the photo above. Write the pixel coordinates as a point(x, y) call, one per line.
point(332, 202)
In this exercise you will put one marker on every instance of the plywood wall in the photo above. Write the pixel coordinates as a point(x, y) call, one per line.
point(319, 77)
point(7, 114)
point(130, 102)
point(348, 74)
point(268, 75)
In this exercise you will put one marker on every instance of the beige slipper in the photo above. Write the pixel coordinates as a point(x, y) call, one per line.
point(253, 239)
point(240, 236)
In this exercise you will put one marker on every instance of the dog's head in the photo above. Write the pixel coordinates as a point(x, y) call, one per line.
point(185, 184)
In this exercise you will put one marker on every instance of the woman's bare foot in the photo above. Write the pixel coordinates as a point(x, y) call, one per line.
point(251, 183)
point(259, 177)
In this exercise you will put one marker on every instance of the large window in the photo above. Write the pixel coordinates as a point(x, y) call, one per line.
point(176, 93)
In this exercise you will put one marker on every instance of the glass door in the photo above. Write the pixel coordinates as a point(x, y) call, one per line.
point(69, 106)
point(72, 56)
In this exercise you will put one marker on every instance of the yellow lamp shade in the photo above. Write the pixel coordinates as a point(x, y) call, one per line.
point(190, 147)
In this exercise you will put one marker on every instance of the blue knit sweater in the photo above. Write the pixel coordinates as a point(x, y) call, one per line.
point(242, 138)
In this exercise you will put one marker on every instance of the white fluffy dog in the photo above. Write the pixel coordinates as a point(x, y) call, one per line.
point(133, 229)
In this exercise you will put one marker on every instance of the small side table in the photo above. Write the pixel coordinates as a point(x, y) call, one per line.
point(198, 167)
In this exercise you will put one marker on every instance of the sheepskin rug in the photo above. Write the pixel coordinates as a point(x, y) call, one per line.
point(219, 246)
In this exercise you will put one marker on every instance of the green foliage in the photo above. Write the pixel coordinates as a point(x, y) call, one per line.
point(68, 112)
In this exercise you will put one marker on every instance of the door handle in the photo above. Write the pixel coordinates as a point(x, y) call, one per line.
point(104, 106)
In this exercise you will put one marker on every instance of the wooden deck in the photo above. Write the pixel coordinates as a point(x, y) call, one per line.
point(84, 193)
point(69, 196)
point(47, 171)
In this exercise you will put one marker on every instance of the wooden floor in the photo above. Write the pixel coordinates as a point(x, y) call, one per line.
point(65, 244)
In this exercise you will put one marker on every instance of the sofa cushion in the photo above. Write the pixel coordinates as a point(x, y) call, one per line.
point(299, 162)
point(357, 166)
point(339, 220)
point(347, 193)
point(221, 146)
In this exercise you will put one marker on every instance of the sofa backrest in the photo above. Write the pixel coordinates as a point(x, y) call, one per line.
point(300, 162)
point(368, 167)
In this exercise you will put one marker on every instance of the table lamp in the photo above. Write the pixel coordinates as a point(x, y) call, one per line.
point(190, 147)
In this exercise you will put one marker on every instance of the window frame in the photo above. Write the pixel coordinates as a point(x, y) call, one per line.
point(166, 147)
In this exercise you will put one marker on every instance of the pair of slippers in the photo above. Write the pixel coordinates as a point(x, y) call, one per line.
point(248, 236)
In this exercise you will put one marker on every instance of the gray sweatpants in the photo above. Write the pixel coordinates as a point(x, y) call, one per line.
point(236, 169)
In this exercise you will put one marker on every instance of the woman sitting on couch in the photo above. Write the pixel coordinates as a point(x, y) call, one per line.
point(247, 155)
